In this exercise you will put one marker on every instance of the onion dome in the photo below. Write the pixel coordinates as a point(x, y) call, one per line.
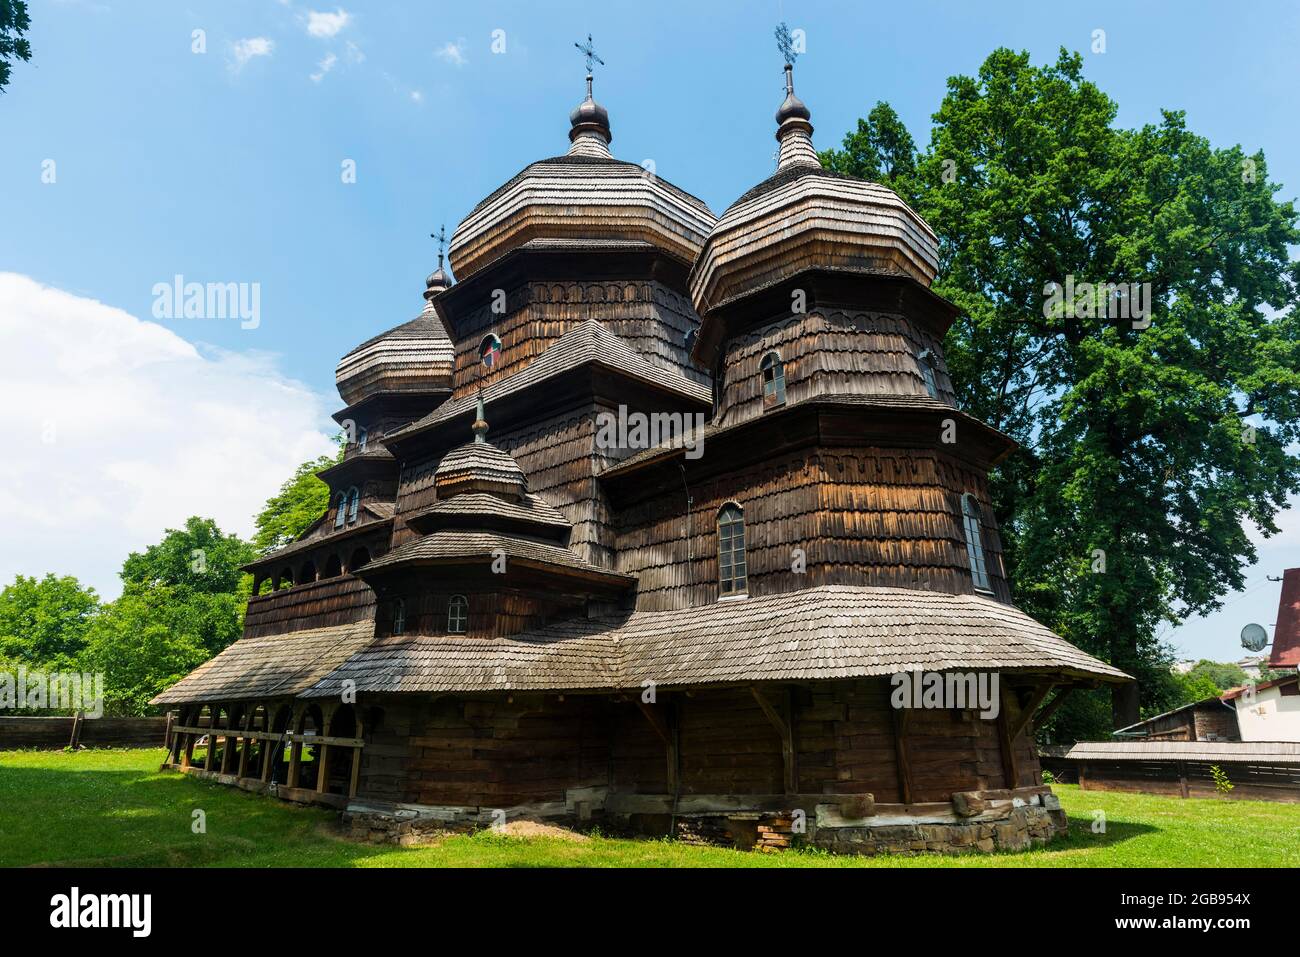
point(416, 356)
point(806, 217)
point(586, 195)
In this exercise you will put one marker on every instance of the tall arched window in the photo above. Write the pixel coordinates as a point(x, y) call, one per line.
point(731, 550)
point(926, 361)
point(457, 615)
point(354, 499)
point(363, 435)
point(970, 513)
point(341, 510)
point(399, 616)
point(773, 370)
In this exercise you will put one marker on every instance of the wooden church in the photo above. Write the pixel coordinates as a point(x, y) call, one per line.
point(505, 614)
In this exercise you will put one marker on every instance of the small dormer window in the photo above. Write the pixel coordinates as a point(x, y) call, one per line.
point(489, 351)
point(457, 615)
point(773, 371)
point(354, 501)
point(399, 616)
point(926, 361)
point(732, 566)
point(341, 510)
point(972, 525)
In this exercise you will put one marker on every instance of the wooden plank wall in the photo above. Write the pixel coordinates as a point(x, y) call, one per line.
point(828, 354)
point(331, 601)
point(54, 733)
point(889, 517)
point(490, 751)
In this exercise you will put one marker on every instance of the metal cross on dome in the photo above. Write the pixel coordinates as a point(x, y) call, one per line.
point(589, 52)
point(441, 236)
point(785, 43)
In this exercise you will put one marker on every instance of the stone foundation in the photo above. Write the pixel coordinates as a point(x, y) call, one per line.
point(972, 823)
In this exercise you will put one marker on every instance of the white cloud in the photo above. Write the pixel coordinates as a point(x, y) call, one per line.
point(324, 25)
point(453, 53)
point(249, 47)
point(324, 67)
point(353, 52)
point(417, 96)
point(119, 429)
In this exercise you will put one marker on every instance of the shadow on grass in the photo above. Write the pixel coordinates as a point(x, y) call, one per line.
point(1081, 833)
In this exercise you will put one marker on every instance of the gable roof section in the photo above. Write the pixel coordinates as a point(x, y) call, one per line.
point(588, 342)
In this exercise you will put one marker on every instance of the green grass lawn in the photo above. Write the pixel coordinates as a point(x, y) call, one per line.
point(114, 808)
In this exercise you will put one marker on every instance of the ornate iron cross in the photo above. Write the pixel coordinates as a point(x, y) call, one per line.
point(589, 52)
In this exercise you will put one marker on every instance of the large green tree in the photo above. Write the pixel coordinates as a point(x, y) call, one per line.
point(1147, 445)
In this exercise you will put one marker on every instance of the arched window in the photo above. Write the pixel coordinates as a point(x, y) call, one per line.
point(359, 557)
point(773, 370)
point(354, 499)
point(489, 351)
point(970, 513)
point(457, 615)
point(731, 550)
point(690, 342)
point(926, 361)
point(362, 435)
point(333, 567)
point(341, 510)
point(399, 616)
point(307, 573)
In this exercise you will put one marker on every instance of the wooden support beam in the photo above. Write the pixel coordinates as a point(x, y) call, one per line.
point(663, 718)
point(902, 718)
point(1027, 712)
point(782, 719)
point(295, 752)
point(1050, 708)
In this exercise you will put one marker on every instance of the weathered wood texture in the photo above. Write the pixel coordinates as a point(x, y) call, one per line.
point(831, 353)
point(332, 601)
point(888, 517)
point(651, 317)
point(55, 733)
point(491, 750)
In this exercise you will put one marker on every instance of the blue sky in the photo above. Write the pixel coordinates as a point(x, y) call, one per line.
point(225, 165)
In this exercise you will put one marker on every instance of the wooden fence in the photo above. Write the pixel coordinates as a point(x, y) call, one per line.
point(60, 732)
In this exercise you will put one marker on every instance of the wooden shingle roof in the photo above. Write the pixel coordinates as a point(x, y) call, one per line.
point(280, 665)
point(1255, 752)
point(834, 631)
point(461, 546)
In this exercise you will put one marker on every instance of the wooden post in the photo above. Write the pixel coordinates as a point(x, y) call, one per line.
point(1182, 780)
point(187, 758)
point(167, 733)
point(212, 738)
point(295, 750)
point(249, 710)
point(77, 719)
point(323, 752)
point(783, 721)
point(1007, 742)
point(902, 717)
point(1027, 713)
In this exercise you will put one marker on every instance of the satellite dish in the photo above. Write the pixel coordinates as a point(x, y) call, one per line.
point(1254, 637)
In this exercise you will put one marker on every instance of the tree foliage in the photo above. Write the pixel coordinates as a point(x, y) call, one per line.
point(44, 621)
point(1144, 450)
point(14, 23)
point(291, 511)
